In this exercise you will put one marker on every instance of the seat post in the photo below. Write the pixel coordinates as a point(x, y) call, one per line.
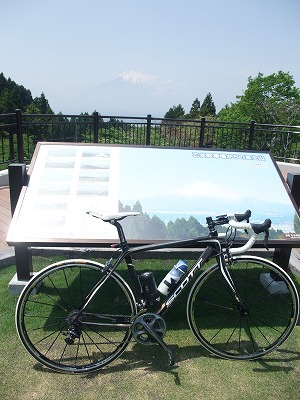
point(124, 246)
point(123, 241)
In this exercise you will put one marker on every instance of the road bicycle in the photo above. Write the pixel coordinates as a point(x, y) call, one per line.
point(76, 316)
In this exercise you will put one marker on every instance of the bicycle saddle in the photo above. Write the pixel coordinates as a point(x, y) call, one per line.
point(113, 217)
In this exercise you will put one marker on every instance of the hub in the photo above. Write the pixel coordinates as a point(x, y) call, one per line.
point(242, 309)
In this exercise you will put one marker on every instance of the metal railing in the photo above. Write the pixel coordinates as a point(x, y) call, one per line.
point(19, 133)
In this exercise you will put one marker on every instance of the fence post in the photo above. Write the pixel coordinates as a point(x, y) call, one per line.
point(148, 131)
point(251, 135)
point(202, 130)
point(20, 142)
point(96, 125)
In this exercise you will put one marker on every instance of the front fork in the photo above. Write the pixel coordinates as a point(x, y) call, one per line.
point(223, 262)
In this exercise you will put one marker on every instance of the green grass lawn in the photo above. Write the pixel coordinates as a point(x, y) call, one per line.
point(143, 372)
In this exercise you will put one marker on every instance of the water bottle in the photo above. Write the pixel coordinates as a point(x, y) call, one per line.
point(170, 280)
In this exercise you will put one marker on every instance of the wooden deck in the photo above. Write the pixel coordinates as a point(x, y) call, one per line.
point(5, 216)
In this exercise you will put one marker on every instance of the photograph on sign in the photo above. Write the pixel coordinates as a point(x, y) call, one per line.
point(179, 188)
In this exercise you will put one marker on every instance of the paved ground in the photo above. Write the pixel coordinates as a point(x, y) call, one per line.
point(285, 168)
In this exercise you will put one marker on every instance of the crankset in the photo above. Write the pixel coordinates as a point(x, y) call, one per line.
point(150, 328)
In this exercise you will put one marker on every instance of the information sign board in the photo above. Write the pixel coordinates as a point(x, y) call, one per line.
point(175, 189)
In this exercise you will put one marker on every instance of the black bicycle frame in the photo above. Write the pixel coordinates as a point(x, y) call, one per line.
point(213, 248)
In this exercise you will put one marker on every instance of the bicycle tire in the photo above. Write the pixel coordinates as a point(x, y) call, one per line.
point(47, 311)
point(272, 309)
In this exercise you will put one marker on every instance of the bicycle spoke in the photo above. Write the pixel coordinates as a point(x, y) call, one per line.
point(58, 335)
point(57, 290)
point(263, 320)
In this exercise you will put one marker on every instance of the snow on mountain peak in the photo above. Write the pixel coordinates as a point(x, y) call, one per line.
point(137, 77)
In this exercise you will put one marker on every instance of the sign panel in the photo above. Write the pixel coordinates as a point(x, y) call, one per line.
point(175, 189)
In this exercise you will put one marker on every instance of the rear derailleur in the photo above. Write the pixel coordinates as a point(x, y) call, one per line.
point(75, 319)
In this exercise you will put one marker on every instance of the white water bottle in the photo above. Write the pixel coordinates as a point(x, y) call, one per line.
point(170, 280)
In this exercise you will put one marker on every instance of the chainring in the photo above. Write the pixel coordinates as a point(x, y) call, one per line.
point(154, 322)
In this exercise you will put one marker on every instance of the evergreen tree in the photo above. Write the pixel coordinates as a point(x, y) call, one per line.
point(137, 207)
point(208, 106)
point(157, 229)
point(14, 96)
point(178, 229)
point(175, 112)
point(195, 109)
point(195, 228)
point(43, 105)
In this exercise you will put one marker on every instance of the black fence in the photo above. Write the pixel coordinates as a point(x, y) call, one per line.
point(19, 133)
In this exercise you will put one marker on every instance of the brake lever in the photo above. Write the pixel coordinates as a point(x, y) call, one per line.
point(264, 227)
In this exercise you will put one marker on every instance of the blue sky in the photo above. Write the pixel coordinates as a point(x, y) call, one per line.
point(181, 49)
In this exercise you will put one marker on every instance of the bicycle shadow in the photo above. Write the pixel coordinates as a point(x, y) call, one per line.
point(270, 363)
point(149, 358)
point(279, 360)
point(154, 359)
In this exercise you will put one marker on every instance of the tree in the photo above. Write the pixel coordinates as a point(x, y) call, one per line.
point(208, 107)
point(195, 228)
point(13, 96)
point(272, 99)
point(157, 228)
point(137, 207)
point(195, 109)
point(175, 112)
point(43, 105)
point(143, 226)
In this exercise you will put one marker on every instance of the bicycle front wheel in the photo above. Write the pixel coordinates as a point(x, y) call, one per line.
point(268, 316)
point(58, 334)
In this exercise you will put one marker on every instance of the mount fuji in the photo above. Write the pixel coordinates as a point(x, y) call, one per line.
point(131, 93)
point(136, 77)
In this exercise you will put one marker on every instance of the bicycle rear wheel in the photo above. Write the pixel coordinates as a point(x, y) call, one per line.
point(223, 328)
point(55, 332)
